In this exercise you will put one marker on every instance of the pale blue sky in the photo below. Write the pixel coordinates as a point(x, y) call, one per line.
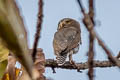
point(107, 15)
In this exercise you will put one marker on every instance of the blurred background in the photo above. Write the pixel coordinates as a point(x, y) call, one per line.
point(107, 15)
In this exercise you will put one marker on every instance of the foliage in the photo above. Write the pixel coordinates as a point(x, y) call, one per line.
point(12, 33)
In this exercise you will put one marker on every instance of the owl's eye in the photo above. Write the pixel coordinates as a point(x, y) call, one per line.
point(68, 21)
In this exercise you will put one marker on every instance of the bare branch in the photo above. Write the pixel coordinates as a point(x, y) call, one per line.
point(39, 25)
point(89, 25)
point(109, 54)
point(91, 57)
point(91, 10)
point(82, 66)
point(80, 4)
point(89, 19)
point(91, 42)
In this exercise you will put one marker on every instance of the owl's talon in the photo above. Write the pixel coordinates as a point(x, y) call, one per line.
point(73, 63)
point(75, 66)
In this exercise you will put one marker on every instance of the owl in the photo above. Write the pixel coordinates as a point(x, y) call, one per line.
point(66, 40)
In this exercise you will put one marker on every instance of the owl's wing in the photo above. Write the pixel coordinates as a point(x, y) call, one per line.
point(63, 39)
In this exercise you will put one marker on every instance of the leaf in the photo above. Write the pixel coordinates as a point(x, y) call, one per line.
point(3, 65)
point(39, 67)
point(13, 71)
point(6, 76)
point(3, 52)
point(39, 64)
point(13, 34)
point(3, 59)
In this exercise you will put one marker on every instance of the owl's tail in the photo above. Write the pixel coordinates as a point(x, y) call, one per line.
point(61, 59)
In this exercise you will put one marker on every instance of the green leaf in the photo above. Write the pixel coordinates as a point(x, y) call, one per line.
point(3, 65)
point(3, 58)
point(3, 52)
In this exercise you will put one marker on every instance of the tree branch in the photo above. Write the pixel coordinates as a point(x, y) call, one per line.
point(91, 42)
point(89, 26)
point(91, 57)
point(91, 10)
point(82, 66)
point(39, 25)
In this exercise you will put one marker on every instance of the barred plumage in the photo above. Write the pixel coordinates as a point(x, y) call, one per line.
point(61, 59)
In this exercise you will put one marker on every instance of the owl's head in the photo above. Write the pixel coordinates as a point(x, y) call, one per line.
point(67, 22)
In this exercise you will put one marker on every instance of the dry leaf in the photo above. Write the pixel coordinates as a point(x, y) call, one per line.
point(39, 67)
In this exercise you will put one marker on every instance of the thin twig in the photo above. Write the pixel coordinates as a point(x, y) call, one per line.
point(91, 10)
point(53, 69)
point(118, 56)
point(80, 4)
point(39, 25)
point(108, 52)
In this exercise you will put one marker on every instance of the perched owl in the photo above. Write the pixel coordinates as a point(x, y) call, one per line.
point(66, 40)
